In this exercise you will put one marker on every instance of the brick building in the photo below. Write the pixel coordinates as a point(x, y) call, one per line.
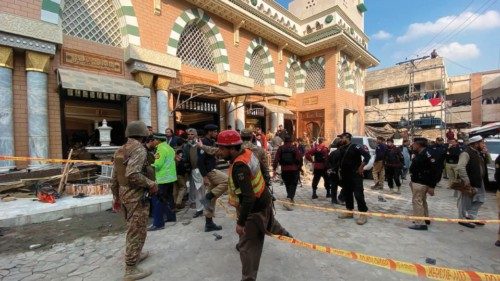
point(65, 65)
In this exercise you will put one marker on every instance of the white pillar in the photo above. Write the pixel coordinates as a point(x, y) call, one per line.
point(281, 119)
point(385, 96)
point(145, 108)
point(38, 116)
point(162, 108)
point(230, 115)
point(6, 118)
point(274, 122)
point(240, 116)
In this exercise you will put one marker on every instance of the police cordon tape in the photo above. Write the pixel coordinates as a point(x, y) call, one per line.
point(415, 269)
point(390, 216)
point(48, 160)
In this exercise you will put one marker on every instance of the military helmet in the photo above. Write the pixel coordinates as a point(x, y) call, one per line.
point(136, 129)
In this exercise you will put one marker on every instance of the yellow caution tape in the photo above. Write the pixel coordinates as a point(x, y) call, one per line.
point(16, 158)
point(390, 216)
point(415, 269)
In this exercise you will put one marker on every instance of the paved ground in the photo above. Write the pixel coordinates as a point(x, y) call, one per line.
point(183, 252)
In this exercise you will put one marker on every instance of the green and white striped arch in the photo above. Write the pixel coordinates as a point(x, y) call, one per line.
point(318, 60)
point(345, 76)
point(208, 27)
point(300, 74)
point(268, 66)
point(52, 12)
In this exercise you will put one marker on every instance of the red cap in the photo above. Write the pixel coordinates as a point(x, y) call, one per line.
point(229, 138)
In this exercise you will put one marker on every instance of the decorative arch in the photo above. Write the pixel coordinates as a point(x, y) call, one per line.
point(344, 77)
point(315, 74)
point(300, 75)
point(51, 12)
point(359, 75)
point(206, 24)
point(268, 64)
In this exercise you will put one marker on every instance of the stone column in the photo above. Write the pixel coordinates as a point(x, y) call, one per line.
point(6, 100)
point(162, 84)
point(146, 80)
point(37, 67)
point(281, 119)
point(230, 115)
point(240, 116)
point(274, 122)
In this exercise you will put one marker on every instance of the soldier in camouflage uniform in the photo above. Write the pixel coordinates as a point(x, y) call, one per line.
point(129, 186)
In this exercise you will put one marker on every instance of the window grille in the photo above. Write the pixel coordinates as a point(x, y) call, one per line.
point(94, 20)
point(315, 77)
point(194, 48)
point(257, 65)
point(291, 80)
point(343, 71)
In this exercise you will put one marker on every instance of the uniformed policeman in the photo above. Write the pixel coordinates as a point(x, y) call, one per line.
point(215, 180)
point(351, 176)
point(130, 186)
point(252, 200)
point(424, 177)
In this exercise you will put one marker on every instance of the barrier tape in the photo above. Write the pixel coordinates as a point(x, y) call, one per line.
point(390, 216)
point(48, 160)
point(415, 269)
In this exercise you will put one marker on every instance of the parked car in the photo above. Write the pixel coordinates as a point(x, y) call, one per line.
point(493, 146)
point(369, 144)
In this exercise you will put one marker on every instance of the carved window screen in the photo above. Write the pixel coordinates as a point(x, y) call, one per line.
point(343, 71)
point(194, 48)
point(94, 20)
point(257, 65)
point(315, 77)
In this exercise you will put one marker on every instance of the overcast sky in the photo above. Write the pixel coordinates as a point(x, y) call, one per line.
point(465, 32)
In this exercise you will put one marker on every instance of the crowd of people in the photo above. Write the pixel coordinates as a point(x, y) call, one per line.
point(169, 173)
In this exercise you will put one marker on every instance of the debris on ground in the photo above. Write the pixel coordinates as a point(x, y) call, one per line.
point(35, 246)
point(381, 198)
point(430, 261)
point(217, 236)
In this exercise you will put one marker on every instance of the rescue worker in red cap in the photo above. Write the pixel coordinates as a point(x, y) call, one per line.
point(252, 200)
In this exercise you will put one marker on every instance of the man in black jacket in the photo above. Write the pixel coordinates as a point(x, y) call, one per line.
point(424, 177)
point(351, 176)
point(393, 164)
point(471, 170)
point(215, 181)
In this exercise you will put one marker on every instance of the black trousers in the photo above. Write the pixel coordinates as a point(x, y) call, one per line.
point(291, 179)
point(334, 185)
point(318, 174)
point(393, 176)
point(352, 187)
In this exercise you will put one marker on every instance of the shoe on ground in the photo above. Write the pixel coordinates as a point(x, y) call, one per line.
point(479, 223)
point(132, 272)
point(143, 256)
point(287, 234)
point(374, 187)
point(362, 219)
point(398, 191)
point(237, 247)
point(391, 191)
point(314, 196)
point(170, 220)
point(346, 216)
point(427, 222)
point(212, 227)
point(155, 228)
point(335, 201)
point(341, 202)
point(466, 224)
point(418, 227)
point(197, 214)
point(288, 206)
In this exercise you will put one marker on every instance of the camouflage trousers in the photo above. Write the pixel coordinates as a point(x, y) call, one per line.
point(136, 215)
point(218, 185)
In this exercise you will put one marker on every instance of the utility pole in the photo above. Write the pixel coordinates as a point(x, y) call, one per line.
point(415, 95)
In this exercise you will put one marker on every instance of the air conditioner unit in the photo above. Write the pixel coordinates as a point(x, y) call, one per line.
point(374, 101)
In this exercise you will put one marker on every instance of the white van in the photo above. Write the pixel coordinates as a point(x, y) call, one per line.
point(369, 144)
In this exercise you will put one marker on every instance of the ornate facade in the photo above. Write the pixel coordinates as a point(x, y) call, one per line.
point(65, 65)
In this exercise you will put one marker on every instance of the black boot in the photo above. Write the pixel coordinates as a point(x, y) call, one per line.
point(211, 226)
point(314, 196)
point(328, 193)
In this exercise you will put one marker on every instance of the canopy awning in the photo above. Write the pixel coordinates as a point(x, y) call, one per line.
point(79, 80)
point(274, 108)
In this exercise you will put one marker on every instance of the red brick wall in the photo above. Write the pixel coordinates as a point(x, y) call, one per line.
point(24, 8)
point(20, 109)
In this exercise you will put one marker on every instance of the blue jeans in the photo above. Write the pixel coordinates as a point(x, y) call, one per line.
point(163, 204)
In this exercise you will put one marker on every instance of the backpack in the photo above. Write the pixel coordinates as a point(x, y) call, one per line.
point(287, 156)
